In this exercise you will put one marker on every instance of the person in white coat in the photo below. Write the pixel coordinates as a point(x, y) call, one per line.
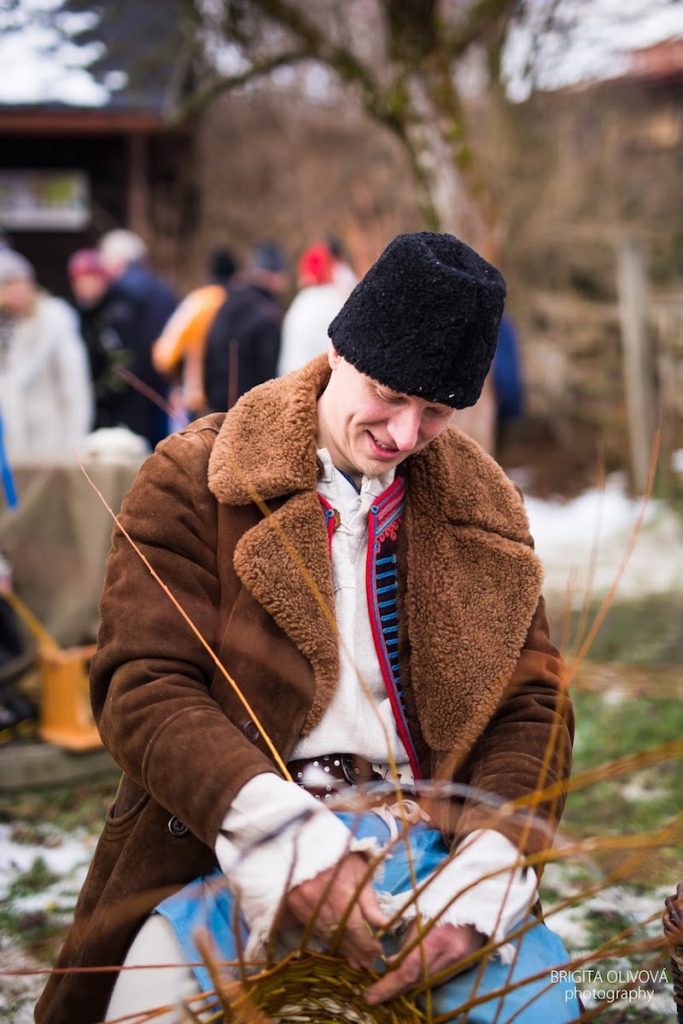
point(304, 328)
point(46, 398)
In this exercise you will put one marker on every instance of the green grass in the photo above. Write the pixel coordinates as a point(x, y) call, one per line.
point(641, 800)
point(66, 808)
point(645, 631)
point(624, 710)
point(36, 879)
point(37, 816)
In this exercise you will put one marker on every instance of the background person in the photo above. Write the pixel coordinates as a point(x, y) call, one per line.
point(304, 328)
point(46, 398)
point(344, 276)
point(244, 339)
point(180, 349)
point(140, 304)
point(107, 354)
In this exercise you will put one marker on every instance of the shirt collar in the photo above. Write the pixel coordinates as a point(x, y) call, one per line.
point(373, 486)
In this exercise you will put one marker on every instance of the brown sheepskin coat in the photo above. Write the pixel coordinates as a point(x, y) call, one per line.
point(486, 703)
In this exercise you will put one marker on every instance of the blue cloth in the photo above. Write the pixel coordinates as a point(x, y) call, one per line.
point(208, 904)
point(6, 472)
point(507, 373)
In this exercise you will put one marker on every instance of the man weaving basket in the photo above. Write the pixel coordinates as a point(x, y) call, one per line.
point(365, 574)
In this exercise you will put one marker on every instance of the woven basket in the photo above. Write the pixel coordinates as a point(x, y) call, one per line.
point(308, 988)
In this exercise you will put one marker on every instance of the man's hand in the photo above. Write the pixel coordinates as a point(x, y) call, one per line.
point(443, 947)
point(328, 896)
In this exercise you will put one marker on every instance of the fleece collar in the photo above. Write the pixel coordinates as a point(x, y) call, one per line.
point(267, 444)
point(266, 448)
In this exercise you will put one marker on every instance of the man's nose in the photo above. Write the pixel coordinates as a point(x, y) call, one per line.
point(404, 428)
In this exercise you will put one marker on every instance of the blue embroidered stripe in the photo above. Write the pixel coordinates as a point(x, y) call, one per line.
point(383, 522)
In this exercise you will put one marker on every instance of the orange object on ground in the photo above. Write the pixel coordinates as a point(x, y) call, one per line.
point(65, 716)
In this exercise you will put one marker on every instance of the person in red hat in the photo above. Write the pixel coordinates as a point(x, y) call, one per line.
point(90, 284)
point(304, 328)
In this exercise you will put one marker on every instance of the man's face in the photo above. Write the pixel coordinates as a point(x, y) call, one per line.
point(88, 288)
point(17, 296)
point(368, 428)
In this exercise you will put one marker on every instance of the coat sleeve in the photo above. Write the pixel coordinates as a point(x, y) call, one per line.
point(151, 676)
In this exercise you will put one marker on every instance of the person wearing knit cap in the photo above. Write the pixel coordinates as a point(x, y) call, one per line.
point(105, 327)
point(364, 572)
point(424, 320)
point(46, 399)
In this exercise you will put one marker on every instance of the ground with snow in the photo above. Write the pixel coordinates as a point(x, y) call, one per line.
point(604, 537)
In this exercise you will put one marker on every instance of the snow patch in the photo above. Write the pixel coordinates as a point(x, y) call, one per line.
point(584, 542)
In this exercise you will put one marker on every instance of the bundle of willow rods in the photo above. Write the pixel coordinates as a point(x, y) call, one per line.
point(306, 988)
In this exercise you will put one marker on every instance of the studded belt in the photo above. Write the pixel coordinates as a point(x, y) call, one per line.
point(327, 774)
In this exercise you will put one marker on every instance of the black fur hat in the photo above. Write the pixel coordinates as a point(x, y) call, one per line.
point(424, 320)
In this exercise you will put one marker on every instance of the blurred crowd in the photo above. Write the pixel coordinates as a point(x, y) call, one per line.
point(127, 362)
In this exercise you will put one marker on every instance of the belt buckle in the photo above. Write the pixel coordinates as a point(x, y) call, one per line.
point(349, 772)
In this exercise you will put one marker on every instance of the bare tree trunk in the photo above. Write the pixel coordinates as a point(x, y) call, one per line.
point(432, 137)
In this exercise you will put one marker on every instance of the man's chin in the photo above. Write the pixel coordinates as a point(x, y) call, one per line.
point(374, 468)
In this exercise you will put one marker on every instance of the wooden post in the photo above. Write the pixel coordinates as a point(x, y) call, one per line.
point(638, 359)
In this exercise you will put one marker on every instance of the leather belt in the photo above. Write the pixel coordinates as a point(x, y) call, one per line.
point(350, 769)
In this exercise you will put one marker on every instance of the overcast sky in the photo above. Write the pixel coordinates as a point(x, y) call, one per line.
point(591, 41)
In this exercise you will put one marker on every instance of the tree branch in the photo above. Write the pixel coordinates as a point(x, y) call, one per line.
point(412, 28)
point(349, 68)
point(484, 15)
point(224, 83)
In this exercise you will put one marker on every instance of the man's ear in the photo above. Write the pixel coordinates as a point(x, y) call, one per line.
point(333, 357)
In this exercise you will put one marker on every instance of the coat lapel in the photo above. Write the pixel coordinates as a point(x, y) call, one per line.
point(266, 452)
point(284, 563)
point(473, 585)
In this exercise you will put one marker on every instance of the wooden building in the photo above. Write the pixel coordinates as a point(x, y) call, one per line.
point(70, 171)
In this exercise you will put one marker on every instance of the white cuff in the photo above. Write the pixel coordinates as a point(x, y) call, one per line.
point(278, 836)
point(459, 893)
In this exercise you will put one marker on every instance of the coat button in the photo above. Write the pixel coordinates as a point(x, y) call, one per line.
point(177, 827)
point(251, 731)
